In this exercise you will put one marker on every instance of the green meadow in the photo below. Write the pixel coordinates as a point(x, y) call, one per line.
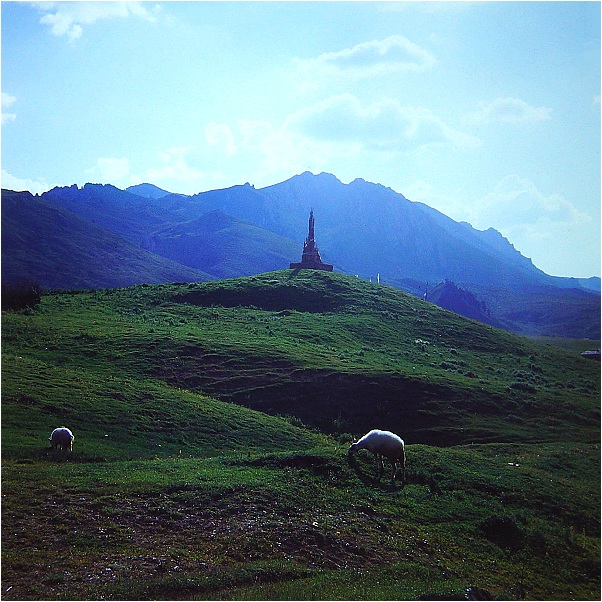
point(211, 428)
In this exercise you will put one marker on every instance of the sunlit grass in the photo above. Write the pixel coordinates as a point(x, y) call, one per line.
point(174, 492)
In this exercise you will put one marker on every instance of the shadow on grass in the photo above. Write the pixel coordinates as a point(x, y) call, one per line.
point(371, 479)
point(46, 454)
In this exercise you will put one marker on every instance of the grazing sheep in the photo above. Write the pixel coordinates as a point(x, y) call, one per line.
point(383, 444)
point(61, 438)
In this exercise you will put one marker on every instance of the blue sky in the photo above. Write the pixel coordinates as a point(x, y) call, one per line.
point(486, 111)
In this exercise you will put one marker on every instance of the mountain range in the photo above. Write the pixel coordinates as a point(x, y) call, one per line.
point(99, 236)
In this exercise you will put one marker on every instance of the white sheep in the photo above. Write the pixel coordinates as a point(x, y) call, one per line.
point(383, 444)
point(61, 438)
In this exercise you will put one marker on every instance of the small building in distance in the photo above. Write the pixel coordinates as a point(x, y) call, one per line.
point(310, 259)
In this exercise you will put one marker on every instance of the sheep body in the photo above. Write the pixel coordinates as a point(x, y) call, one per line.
point(383, 444)
point(61, 438)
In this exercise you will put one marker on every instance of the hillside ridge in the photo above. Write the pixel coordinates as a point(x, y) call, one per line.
point(361, 228)
point(184, 493)
point(337, 350)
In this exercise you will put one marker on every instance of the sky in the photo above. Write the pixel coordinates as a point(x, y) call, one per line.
point(486, 111)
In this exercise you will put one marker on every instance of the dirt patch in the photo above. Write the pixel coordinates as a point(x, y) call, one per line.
point(85, 546)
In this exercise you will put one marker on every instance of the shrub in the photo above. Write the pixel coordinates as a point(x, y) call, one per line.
point(525, 387)
point(503, 531)
point(20, 294)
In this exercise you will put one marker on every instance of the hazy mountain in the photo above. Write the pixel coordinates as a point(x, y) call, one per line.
point(592, 284)
point(223, 245)
point(450, 296)
point(362, 228)
point(184, 229)
point(58, 249)
point(148, 191)
point(368, 229)
point(123, 213)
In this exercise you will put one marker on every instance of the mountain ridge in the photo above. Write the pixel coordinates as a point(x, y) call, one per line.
point(90, 257)
point(146, 190)
point(362, 228)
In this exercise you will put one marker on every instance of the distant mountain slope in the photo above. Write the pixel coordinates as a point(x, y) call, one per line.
point(365, 228)
point(463, 302)
point(362, 228)
point(368, 229)
point(123, 213)
point(549, 311)
point(149, 191)
point(592, 284)
point(223, 245)
point(58, 249)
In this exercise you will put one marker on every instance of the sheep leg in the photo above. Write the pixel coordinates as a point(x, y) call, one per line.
point(379, 465)
point(402, 462)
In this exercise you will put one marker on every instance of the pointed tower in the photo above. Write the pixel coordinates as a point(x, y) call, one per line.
point(310, 259)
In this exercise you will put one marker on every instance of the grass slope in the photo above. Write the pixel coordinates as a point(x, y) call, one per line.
point(174, 494)
point(336, 352)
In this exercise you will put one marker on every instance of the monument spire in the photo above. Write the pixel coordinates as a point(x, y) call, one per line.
point(310, 236)
point(310, 259)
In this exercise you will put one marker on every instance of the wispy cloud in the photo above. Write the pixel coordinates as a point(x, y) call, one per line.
point(176, 173)
point(507, 110)
point(518, 209)
point(69, 18)
point(111, 170)
point(8, 101)
point(383, 125)
point(369, 59)
point(340, 127)
point(171, 170)
point(220, 135)
point(11, 182)
point(516, 201)
point(532, 219)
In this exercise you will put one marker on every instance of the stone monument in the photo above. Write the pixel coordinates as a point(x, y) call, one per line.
point(310, 259)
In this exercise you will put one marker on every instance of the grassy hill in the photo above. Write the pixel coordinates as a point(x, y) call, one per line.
point(100, 236)
point(173, 492)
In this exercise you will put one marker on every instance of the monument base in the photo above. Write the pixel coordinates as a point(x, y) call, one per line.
point(326, 267)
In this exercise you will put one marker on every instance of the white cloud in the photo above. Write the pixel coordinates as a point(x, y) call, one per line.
point(339, 128)
point(533, 221)
point(8, 101)
point(536, 222)
point(11, 182)
point(384, 125)
point(171, 170)
point(369, 59)
point(220, 135)
point(448, 202)
point(68, 18)
point(507, 110)
point(516, 201)
point(267, 151)
point(176, 174)
point(284, 150)
point(112, 170)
